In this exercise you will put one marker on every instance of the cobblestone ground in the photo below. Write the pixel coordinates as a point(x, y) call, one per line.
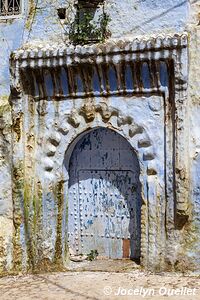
point(100, 285)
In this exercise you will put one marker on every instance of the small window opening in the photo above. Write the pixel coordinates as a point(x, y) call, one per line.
point(61, 13)
point(10, 7)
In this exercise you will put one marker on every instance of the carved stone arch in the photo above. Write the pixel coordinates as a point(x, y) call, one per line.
point(89, 117)
point(63, 137)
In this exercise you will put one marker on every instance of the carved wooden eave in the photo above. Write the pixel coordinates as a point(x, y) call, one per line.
point(30, 64)
point(40, 57)
point(59, 54)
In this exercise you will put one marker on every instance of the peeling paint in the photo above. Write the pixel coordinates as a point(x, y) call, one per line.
point(136, 86)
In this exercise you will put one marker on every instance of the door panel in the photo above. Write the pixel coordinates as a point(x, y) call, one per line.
point(104, 196)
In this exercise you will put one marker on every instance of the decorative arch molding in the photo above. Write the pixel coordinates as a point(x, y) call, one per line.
point(90, 116)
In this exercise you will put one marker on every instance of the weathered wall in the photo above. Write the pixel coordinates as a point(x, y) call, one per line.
point(191, 241)
point(13, 34)
point(40, 24)
point(42, 239)
point(141, 17)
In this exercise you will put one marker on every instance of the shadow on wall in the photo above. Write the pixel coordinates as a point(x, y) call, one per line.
point(103, 79)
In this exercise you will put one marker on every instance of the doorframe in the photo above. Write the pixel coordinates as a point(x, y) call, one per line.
point(148, 168)
point(69, 153)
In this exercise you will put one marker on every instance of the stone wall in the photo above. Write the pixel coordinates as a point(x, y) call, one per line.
point(38, 26)
point(190, 242)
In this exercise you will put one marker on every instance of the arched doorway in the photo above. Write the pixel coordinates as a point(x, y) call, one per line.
point(104, 196)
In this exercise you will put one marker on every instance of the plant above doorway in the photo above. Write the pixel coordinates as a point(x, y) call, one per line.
point(90, 25)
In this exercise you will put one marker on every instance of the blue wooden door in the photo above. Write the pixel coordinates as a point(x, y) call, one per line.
point(104, 196)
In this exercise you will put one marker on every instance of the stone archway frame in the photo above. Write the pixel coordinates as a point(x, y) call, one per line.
point(171, 49)
point(88, 117)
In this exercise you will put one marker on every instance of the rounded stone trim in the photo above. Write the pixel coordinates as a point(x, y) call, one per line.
point(90, 116)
